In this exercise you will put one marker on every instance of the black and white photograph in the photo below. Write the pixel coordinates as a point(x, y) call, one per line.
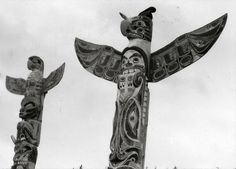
point(115, 84)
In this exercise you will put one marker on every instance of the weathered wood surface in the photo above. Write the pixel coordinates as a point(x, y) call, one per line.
point(34, 89)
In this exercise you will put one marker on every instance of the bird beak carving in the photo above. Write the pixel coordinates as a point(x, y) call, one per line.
point(124, 27)
point(123, 16)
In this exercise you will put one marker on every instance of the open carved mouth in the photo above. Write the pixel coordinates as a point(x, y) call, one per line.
point(134, 69)
point(127, 71)
point(133, 35)
point(22, 163)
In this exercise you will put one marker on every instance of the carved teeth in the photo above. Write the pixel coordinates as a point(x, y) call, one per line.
point(130, 71)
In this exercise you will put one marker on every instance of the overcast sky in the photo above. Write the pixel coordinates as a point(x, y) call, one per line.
point(192, 120)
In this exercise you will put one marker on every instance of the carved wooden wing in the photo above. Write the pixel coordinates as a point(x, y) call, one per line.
point(100, 60)
point(54, 78)
point(184, 50)
point(16, 85)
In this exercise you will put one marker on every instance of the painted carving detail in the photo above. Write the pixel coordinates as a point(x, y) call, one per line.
point(133, 69)
point(34, 90)
point(128, 140)
point(139, 27)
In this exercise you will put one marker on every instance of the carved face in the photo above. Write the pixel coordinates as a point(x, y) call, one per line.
point(139, 27)
point(132, 67)
point(30, 108)
point(25, 153)
point(131, 60)
point(35, 62)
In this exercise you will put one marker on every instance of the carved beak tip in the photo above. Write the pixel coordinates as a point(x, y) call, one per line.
point(123, 16)
point(13, 139)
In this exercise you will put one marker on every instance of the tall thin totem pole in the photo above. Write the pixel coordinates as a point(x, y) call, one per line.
point(34, 90)
point(132, 69)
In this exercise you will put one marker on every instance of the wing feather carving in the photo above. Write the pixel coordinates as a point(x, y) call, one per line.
point(184, 50)
point(100, 60)
point(16, 85)
point(54, 78)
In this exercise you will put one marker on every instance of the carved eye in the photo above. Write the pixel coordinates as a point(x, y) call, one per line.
point(140, 30)
point(141, 23)
point(122, 79)
point(136, 59)
point(124, 61)
point(35, 60)
point(128, 30)
point(134, 27)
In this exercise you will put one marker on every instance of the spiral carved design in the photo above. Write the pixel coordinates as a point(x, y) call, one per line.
point(128, 142)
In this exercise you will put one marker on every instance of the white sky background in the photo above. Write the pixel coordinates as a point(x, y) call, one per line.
point(192, 121)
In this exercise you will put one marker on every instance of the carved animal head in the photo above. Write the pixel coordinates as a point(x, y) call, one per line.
point(138, 27)
point(35, 62)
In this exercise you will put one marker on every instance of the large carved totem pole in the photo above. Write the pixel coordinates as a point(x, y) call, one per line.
point(132, 69)
point(34, 90)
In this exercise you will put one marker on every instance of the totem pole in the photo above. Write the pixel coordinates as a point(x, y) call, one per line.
point(132, 69)
point(34, 90)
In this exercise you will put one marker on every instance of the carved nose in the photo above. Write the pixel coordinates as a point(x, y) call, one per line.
point(124, 26)
point(128, 64)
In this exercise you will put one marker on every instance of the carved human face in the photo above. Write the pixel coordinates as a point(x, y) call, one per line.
point(30, 108)
point(132, 60)
point(35, 62)
point(132, 68)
